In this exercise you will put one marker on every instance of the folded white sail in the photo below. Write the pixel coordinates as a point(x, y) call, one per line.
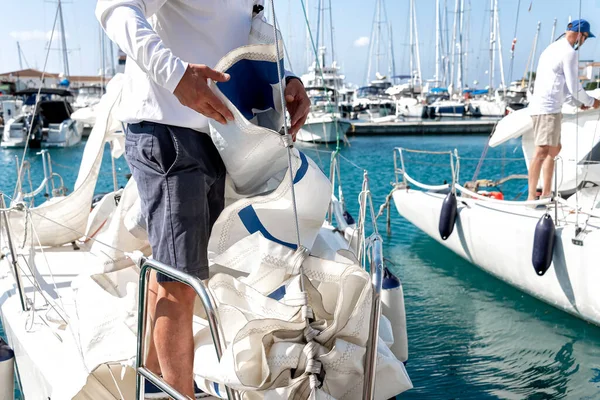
point(63, 219)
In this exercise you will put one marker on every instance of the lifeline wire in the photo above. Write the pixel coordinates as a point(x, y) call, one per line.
point(289, 143)
point(577, 140)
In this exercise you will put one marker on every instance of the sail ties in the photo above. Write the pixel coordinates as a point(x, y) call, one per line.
point(308, 363)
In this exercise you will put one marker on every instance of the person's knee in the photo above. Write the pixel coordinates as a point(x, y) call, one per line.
point(542, 151)
point(554, 151)
point(175, 294)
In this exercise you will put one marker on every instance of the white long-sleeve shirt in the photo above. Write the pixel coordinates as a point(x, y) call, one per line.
point(557, 78)
point(160, 38)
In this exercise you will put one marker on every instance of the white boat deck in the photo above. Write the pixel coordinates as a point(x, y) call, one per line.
point(43, 341)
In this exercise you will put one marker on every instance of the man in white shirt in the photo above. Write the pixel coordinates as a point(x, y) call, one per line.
point(557, 79)
point(171, 46)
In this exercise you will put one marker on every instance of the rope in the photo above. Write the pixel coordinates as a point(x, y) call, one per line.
point(484, 153)
point(423, 151)
point(23, 207)
point(352, 163)
point(77, 168)
point(475, 195)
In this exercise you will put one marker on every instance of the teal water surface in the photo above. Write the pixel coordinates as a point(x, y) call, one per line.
point(470, 335)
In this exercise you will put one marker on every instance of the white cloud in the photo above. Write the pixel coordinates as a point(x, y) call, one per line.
point(35, 35)
point(361, 41)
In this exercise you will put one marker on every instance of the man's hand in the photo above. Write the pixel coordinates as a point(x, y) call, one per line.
point(298, 105)
point(193, 92)
point(596, 104)
point(583, 108)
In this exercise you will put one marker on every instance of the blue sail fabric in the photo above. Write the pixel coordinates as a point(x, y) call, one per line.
point(250, 88)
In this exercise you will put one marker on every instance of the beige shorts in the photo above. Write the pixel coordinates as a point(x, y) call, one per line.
point(546, 129)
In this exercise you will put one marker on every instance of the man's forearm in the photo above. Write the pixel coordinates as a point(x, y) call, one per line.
point(127, 26)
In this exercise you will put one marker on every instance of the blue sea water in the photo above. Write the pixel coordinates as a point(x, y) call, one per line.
point(470, 335)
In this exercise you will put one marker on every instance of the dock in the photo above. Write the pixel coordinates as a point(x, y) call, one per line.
point(420, 127)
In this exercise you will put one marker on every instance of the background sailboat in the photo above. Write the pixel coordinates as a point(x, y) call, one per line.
point(325, 87)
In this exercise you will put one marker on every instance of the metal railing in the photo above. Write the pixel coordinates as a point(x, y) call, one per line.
point(146, 265)
point(377, 267)
point(4, 221)
point(370, 363)
point(401, 171)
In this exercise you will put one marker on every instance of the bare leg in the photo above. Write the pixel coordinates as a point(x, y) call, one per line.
point(152, 358)
point(548, 169)
point(540, 154)
point(173, 335)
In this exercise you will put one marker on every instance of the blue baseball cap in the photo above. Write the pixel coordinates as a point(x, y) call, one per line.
point(580, 25)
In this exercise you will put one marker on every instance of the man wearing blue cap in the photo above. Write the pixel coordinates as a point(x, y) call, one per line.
point(557, 80)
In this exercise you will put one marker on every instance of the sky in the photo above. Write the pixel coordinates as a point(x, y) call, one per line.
point(30, 21)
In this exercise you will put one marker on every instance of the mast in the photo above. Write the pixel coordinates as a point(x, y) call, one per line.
point(453, 61)
point(437, 41)
point(446, 45)
point(63, 41)
point(492, 46)
point(417, 46)
point(318, 41)
point(323, 27)
point(411, 43)
point(459, 47)
point(514, 43)
point(553, 31)
point(392, 58)
point(332, 33)
point(537, 37)
point(499, 36)
point(378, 33)
point(417, 53)
point(112, 58)
point(309, 53)
point(371, 44)
point(467, 35)
point(20, 58)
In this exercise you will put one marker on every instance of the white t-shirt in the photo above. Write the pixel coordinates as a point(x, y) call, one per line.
point(160, 38)
point(557, 78)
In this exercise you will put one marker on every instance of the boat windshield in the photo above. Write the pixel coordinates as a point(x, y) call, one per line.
point(322, 99)
point(90, 91)
point(6, 89)
point(370, 91)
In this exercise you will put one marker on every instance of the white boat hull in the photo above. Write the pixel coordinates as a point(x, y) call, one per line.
point(7, 368)
point(13, 144)
point(323, 130)
point(66, 134)
point(486, 108)
point(410, 108)
point(499, 239)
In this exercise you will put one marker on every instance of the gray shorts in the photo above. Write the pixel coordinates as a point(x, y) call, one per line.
point(181, 183)
point(546, 129)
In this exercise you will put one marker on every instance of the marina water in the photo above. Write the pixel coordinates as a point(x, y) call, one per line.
point(470, 335)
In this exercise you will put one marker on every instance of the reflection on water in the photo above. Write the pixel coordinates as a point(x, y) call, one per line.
point(470, 335)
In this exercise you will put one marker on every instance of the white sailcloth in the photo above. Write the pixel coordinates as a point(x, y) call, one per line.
point(63, 219)
point(272, 350)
